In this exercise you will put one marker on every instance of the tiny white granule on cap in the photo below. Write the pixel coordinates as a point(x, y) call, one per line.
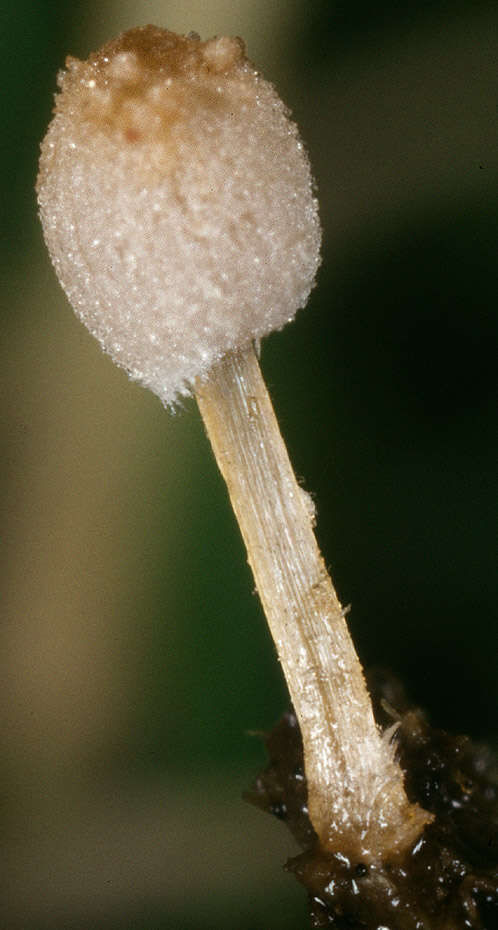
point(177, 204)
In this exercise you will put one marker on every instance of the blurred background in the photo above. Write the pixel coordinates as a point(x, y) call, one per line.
point(136, 669)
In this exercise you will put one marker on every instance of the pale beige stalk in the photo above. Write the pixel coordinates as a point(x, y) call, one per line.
point(356, 798)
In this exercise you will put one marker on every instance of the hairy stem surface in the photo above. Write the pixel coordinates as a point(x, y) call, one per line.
point(356, 798)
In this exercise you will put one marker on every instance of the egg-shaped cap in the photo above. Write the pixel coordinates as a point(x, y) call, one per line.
point(177, 203)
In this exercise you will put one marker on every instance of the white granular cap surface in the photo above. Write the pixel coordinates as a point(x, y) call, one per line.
point(177, 204)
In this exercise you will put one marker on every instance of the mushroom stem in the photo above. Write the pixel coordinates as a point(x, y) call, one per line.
point(356, 799)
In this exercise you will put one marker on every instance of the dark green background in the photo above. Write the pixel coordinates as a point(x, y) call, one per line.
point(385, 388)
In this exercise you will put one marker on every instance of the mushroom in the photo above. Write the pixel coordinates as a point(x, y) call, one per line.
point(177, 204)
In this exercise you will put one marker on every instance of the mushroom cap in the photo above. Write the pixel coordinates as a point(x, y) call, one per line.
point(177, 203)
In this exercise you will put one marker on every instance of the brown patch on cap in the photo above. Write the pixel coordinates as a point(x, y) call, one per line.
point(147, 79)
point(164, 52)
